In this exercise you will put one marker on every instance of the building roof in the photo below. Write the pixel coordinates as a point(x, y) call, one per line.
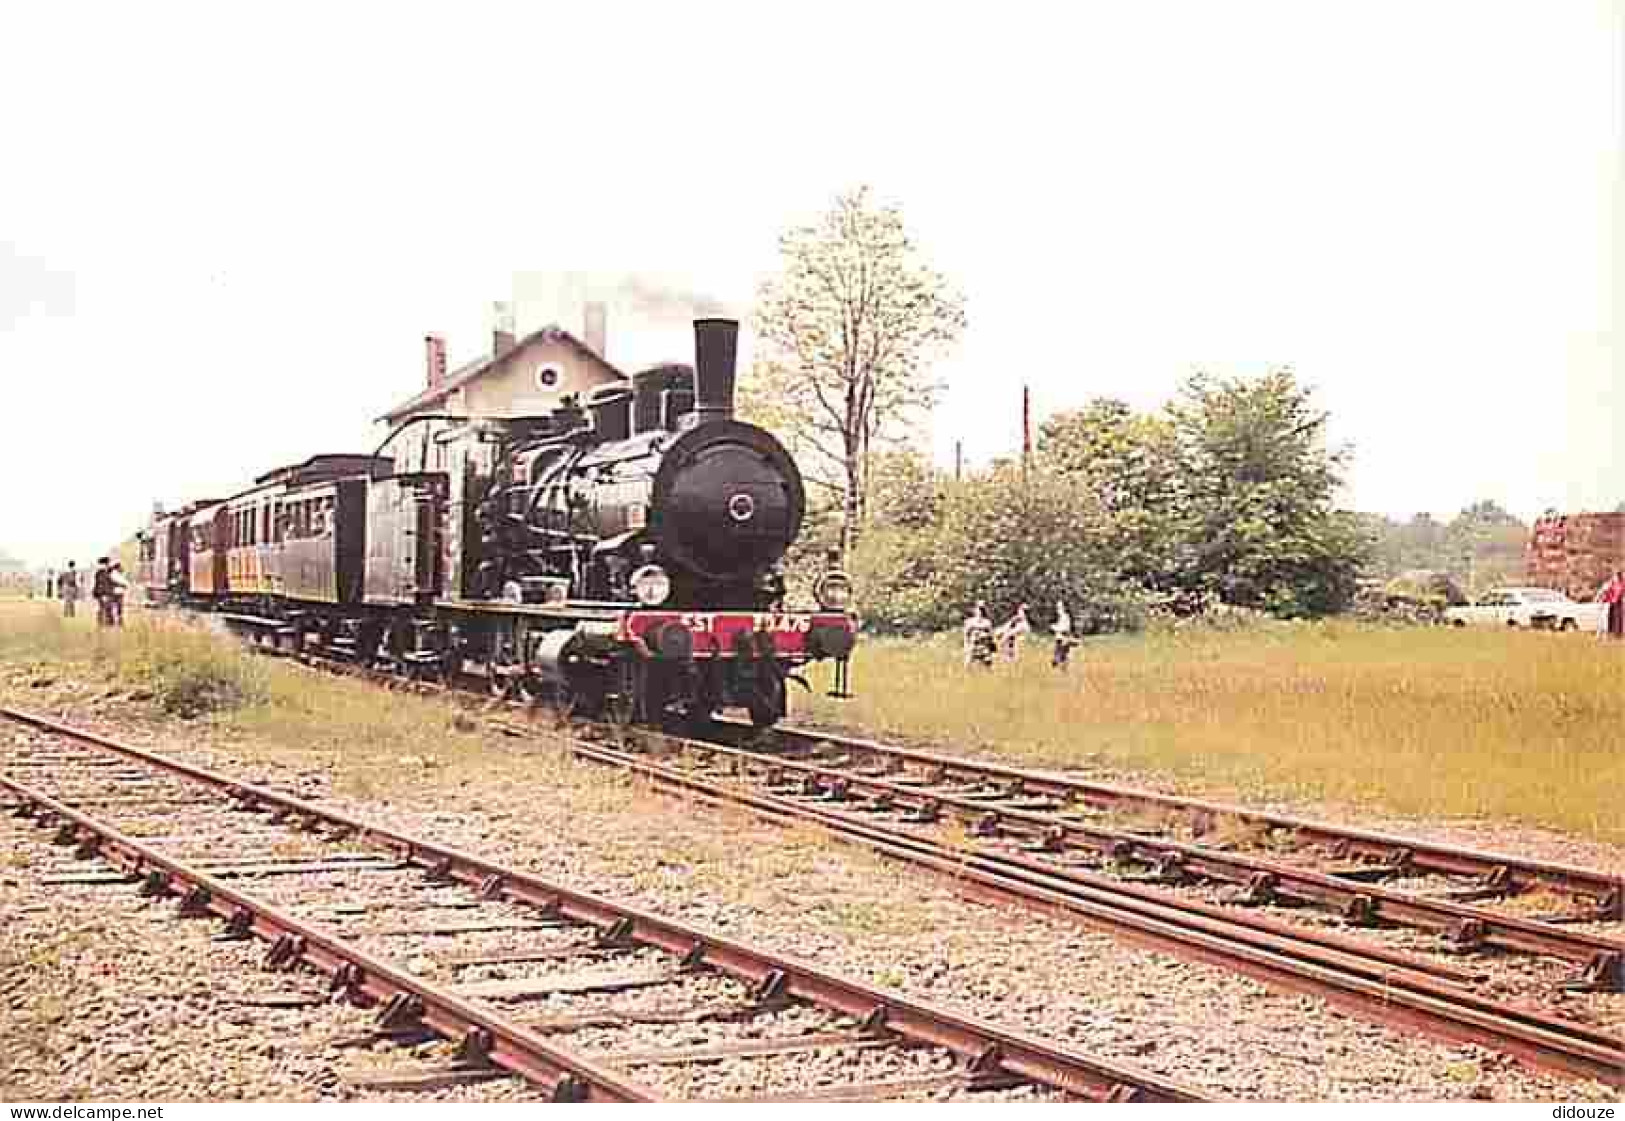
point(468, 371)
point(324, 467)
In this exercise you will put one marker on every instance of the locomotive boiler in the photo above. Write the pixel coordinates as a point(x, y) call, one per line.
point(693, 509)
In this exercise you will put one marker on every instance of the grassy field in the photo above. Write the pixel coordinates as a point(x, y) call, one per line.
point(1516, 727)
point(1520, 727)
point(378, 742)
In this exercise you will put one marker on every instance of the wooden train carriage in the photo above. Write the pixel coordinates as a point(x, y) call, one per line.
point(310, 540)
point(252, 552)
point(323, 539)
point(207, 531)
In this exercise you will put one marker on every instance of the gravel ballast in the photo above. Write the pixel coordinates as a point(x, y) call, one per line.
point(789, 891)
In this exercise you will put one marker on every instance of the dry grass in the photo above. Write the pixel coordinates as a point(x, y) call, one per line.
point(187, 670)
point(1523, 727)
point(377, 741)
point(1520, 727)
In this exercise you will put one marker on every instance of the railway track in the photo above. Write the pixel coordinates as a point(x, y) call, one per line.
point(1377, 984)
point(1063, 818)
point(1385, 854)
point(339, 895)
point(1023, 837)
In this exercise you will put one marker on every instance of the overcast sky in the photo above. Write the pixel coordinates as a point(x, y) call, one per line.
point(223, 236)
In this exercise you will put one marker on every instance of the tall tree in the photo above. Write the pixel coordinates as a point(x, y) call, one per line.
point(847, 333)
point(1127, 461)
point(1484, 544)
point(1260, 528)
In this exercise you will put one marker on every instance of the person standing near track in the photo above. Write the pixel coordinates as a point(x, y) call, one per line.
point(1612, 595)
point(1014, 633)
point(67, 586)
point(101, 589)
point(979, 643)
point(1065, 638)
point(117, 587)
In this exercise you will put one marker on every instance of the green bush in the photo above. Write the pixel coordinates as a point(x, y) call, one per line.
point(189, 671)
point(1005, 539)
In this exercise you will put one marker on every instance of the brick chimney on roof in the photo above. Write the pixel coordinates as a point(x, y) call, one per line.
point(435, 360)
point(502, 334)
point(595, 333)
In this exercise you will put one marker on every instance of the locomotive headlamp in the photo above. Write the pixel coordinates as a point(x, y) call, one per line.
point(833, 591)
point(651, 585)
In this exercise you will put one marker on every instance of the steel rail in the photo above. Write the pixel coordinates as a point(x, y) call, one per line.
point(484, 1037)
point(1464, 925)
point(1396, 851)
point(1384, 995)
point(986, 1049)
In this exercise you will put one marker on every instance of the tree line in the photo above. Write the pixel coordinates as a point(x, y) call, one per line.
point(1226, 494)
point(1223, 496)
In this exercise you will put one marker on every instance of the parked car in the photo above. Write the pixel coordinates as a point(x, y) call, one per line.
point(1526, 607)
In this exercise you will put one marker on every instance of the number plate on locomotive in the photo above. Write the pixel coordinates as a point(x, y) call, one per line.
point(706, 622)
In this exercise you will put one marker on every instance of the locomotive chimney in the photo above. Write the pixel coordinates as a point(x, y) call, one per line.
point(715, 343)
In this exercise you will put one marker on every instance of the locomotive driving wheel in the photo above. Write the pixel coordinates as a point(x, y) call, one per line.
point(506, 674)
point(610, 696)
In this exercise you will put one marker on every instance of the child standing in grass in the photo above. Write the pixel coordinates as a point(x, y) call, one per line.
point(1014, 633)
point(1065, 640)
point(978, 636)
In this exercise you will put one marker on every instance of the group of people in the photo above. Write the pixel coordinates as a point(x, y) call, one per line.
point(108, 586)
point(983, 640)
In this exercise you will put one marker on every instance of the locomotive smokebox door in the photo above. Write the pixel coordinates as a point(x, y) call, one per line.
point(731, 503)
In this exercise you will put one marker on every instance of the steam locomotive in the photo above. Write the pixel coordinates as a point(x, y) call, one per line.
point(621, 559)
